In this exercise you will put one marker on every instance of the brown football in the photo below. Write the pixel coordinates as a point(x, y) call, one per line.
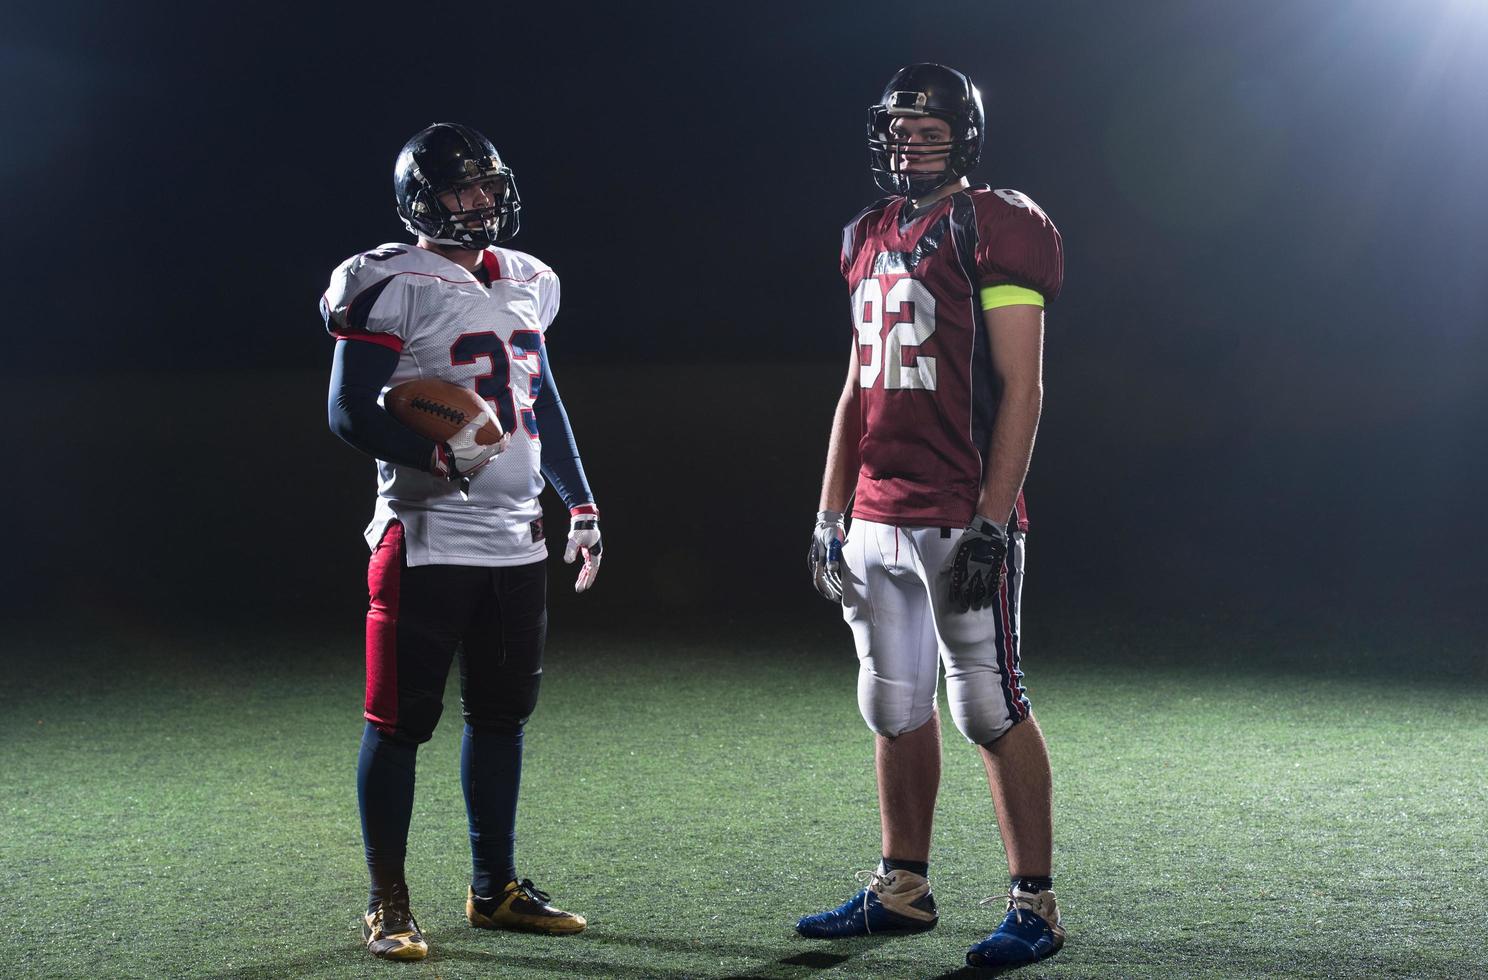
point(438, 409)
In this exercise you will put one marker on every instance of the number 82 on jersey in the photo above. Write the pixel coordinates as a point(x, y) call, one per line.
point(887, 323)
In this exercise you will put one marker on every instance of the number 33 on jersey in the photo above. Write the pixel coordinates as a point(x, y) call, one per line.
point(920, 280)
point(479, 331)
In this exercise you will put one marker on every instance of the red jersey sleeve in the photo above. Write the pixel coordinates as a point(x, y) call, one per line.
point(1017, 244)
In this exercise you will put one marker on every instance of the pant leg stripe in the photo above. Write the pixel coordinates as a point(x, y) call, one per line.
point(1017, 700)
point(384, 580)
point(1000, 642)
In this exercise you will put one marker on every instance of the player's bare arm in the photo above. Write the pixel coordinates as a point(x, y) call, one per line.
point(1016, 340)
point(842, 446)
point(824, 558)
point(976, 568)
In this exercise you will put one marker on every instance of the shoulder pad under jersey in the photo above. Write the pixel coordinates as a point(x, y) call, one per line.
point(852, 234)
point(370, 293)
point(1016, 242)
point(520, 267)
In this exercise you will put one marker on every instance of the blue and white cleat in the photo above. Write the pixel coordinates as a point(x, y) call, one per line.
point(1030, 932)
point(896, 902)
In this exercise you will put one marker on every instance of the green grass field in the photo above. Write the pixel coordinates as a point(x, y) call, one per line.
point(1248, 806)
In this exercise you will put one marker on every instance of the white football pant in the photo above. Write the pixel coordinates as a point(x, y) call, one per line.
point(895, 600)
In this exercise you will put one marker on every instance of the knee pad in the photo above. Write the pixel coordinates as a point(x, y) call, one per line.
point(984, 716)
point(416, 722)
point(507, 712)
point(984, 731)
point(380, 735)
point(890, 709)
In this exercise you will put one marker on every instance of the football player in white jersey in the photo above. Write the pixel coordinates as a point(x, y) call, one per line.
point(457, 539)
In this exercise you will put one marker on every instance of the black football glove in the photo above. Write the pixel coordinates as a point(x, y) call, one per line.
point(976, 565)
point(824, 560)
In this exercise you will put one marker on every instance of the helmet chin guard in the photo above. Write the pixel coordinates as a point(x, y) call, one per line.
point(918, 91)
point(448, 157)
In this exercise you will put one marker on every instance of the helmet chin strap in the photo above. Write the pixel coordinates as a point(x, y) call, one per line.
point(928, 184)
point(446, 242)
point(921, 189)
point(490, 233)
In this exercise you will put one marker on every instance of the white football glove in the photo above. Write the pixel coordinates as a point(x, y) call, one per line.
point(462, 457)
point(583, 539)
point(825, 557)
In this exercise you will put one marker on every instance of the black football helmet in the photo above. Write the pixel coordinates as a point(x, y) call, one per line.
point(925, 90)
point(451, 157)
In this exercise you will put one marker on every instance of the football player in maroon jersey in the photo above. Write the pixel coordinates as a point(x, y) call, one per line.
point(930, 444)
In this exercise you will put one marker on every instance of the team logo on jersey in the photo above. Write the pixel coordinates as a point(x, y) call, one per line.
point(537, 530)
point(904, 263)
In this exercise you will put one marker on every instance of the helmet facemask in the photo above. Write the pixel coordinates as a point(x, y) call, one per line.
point(890, 153)
point(486, 209)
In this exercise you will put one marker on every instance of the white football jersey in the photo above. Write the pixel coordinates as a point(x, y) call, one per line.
point(445, 323)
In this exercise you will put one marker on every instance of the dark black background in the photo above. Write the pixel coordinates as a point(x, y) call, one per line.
point(1264, 380)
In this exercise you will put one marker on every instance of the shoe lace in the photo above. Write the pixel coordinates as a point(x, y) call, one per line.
point(875, 881)
point(394, 914)
point(526, 887)
point(1017, 904)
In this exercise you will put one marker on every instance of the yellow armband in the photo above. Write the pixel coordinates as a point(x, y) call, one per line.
point(1009, 295)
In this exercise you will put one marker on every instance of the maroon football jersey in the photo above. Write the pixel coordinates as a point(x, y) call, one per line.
point(928, 393)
